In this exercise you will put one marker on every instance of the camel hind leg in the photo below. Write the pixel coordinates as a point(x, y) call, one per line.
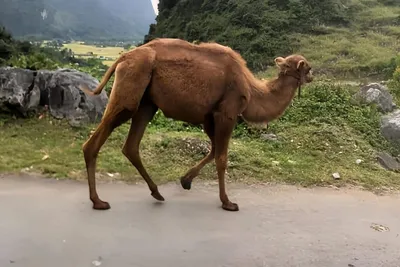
point(132, 77)
point(140, 120)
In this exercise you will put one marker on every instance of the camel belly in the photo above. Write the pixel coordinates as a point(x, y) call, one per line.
point(189, 102)
point(186, 90)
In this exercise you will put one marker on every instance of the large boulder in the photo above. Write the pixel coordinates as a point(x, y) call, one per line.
point(66, 100)
point(42, 81)
point(377, 93)
point(390, 127)
point(22, 91)
point(17, 91)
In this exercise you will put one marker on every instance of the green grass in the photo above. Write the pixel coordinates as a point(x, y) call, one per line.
point(320, 134)
point(361, 51)
point(350, 55)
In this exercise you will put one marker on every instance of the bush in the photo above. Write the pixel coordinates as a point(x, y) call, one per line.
point(327, 104)
point(394, 84)
point(23, 54)
point(35, 61)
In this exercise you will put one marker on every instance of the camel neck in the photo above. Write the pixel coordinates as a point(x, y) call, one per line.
point(268, 102)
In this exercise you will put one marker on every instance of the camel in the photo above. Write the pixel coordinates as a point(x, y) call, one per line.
point(204, 84)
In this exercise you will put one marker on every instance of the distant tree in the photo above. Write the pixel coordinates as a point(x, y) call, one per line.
point(6, 45)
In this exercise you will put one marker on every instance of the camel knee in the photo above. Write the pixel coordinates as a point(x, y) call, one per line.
point(88, 152)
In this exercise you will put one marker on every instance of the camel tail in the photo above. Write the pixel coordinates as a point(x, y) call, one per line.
point(104, 81)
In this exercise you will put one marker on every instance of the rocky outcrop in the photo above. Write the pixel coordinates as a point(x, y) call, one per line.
point(377, 93)
point(390, 127)
point(17, 91)
point(388, 162)
point(66, 100)
point(24, 91)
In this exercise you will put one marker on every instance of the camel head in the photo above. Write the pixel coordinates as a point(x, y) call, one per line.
point(296, 66)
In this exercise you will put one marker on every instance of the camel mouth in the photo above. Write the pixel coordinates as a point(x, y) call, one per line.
point(309, 76)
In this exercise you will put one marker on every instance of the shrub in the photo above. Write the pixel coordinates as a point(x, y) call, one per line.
point(33, 61)
point(394, 84)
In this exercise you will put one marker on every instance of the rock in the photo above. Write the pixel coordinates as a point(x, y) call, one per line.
point(96, 263)
point(388, 162)
point(42, 81)
point(336, 176)
point(17, 91)
point(66, 100)
point(390, 127)
point(358, 161)
point(275, 163)
point(193, 146)
point(377, 93)
point(379, 227)
point(269, 137)
point(22, 91)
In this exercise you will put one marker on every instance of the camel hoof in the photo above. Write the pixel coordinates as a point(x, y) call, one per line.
point(230, 206)
point(101, 205)
point(158, 196)
point(186, 183)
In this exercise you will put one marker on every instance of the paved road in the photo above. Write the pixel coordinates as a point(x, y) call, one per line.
point(47, 223)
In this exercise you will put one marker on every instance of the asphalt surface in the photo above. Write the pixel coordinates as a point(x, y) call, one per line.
point(47, 223)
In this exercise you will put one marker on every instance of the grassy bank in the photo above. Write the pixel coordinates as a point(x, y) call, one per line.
point(320, 134)
point(362, 51)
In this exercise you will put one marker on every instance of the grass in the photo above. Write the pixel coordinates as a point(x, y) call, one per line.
point(359, 52)
point(310, 147)
point(350, 54)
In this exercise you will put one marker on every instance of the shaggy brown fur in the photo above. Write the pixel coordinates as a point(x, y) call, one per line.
point(206, 84)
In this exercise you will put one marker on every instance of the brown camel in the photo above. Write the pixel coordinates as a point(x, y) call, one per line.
point(206, 84)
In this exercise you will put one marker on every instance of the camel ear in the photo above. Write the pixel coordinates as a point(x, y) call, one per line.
point(300, 64)
point(280, 61)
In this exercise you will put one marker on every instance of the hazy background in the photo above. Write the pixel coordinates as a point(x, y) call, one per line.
point(78, 19)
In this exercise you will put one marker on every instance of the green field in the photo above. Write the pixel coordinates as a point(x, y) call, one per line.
point(107, 52)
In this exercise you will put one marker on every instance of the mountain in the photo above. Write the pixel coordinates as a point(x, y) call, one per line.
point(138, 13)
point(77, 19)
point(340, 37)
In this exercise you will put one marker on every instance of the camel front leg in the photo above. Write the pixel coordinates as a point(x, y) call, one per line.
point(186, 180)
point(223, 130)
point(143, 116)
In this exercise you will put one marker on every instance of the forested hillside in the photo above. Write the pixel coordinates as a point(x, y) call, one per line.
point(346, 37)
point(77, 19)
